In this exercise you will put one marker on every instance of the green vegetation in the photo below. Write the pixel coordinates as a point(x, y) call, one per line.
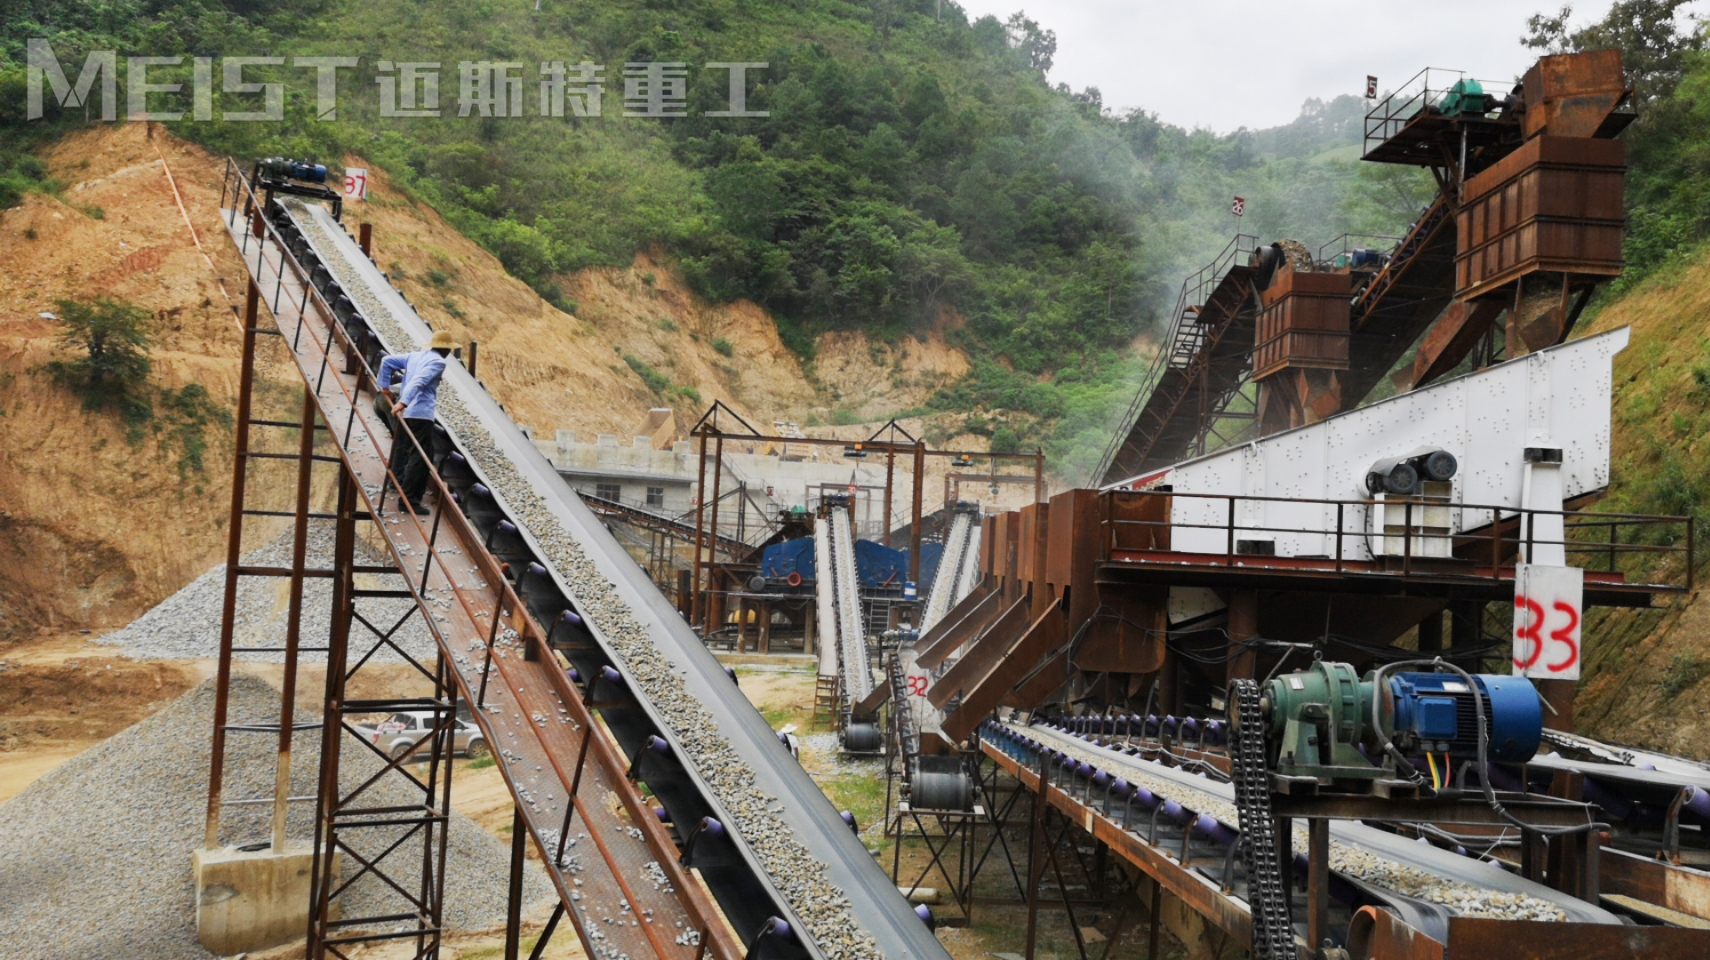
point(109, 366)
point(183, 418)
point(656, 381)
point(1684, 670)
point(108, 369)
point(722, 347)
point(21, 174)
point(914, 162)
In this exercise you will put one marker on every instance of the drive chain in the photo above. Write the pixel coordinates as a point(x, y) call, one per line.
point(1267, 892)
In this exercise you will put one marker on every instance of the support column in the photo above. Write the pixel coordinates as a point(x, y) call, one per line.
point(712, 531)
point(914, 526)
point(1317, 883)
point(692, 601)
point(294, 616)
point(513, 902)
point(234, 552)
point(325, 873)
point(1243, 626)
point(1466, 624)
point(890, 474)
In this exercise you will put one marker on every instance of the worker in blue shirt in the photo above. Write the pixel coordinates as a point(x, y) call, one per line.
point(413, 405)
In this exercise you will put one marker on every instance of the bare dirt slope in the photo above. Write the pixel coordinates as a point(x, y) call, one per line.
point(102, 529)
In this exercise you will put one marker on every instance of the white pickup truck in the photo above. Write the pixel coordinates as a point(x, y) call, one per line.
point(404, 734)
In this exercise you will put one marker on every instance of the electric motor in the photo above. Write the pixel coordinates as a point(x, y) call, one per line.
point(1325, 723)
point(293, 170)
point(1435, 713)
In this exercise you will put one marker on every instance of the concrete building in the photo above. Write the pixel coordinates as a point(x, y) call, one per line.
point(659, 473)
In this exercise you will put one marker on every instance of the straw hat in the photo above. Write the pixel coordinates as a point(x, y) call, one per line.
point(442, 341)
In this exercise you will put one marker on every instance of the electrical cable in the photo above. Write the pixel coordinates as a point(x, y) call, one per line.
point(1483, 745)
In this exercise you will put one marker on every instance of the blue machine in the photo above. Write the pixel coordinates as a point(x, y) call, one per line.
point(293, 170)
point(1434, 712)
point(876, 565)
point(1326, 722)
point(780, 560)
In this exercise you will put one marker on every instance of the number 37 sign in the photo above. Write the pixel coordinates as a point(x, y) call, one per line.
point(1547, 605)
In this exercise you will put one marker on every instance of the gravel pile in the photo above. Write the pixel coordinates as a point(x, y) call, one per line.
point(1362, 864)
point(187, 624)
point(97, 853)
point(822, 907)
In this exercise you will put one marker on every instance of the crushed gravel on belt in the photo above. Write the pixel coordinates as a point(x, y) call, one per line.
point(821, 905)
point(95, 856)
point(1377, 870)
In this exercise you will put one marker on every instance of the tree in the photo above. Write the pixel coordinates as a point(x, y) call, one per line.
point(111, 365)
point(1038, 46)
point(1653, 48)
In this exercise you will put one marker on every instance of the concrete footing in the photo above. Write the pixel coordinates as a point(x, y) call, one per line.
point(252, 899)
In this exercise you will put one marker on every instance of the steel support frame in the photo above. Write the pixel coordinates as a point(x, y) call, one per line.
point(417, 830)
point(304, 458)
point(480, 605)
point(335, 813)
point(1042, 852)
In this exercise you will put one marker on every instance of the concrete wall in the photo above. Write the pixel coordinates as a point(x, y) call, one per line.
point(797, 475)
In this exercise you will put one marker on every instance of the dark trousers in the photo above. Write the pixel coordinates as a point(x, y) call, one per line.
point(408, 466)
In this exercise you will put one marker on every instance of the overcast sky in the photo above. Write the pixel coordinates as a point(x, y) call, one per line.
point(1225, 64)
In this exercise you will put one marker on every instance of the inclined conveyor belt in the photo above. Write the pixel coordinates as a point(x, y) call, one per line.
point(784, 852)
point(825, 599)
point(1464, 879)
point(851, 638)
point(946, 582)
point(971, 573)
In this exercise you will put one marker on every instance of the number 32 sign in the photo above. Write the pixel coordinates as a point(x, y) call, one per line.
point(1547, 605)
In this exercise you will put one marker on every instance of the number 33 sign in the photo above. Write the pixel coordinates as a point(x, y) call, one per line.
point(1547, 604)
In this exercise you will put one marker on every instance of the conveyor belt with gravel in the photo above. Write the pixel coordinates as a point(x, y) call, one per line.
point(825, 599)
point(949, 577)
point(1378, 859)
point(851, 638)
point(823, 879)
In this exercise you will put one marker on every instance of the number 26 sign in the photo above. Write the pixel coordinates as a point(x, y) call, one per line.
point(1547, 606)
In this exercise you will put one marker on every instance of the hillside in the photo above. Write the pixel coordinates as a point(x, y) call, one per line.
point(916, 174)
point(104, 526)
point(1647, 669)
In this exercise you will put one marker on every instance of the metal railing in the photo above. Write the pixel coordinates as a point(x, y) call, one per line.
point(481, 596)
point(1421, 94)
point(1400, 259)
point(1610, 543)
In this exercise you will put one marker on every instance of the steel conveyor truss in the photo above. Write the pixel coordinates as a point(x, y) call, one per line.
point(520, 573)
point(1201, 368)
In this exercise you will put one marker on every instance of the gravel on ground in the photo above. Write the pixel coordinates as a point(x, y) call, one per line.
point(97, 853)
